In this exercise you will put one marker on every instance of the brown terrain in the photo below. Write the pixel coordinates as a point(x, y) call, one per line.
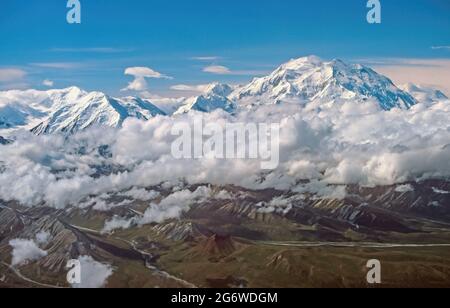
point(231, 243)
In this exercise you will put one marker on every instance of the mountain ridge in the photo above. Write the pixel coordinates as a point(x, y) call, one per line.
point(307, 80)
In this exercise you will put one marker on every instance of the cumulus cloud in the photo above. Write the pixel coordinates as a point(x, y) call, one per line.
point(43, 237)
point(223, 195)
point(144, 72)
point(404, 188)
point(118, 223)
point(25, 251)
point(93, 274)
point(170, 207)
point(280, 205)
point(141, 194)
point(140, 74)
point(48, 83)
point(440, 191)
point(173, 205)
point(329, 147)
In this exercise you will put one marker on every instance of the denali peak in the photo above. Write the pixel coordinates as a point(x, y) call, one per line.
point(310, 79)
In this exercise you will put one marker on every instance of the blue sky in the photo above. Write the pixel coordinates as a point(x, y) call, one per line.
point(248, 37)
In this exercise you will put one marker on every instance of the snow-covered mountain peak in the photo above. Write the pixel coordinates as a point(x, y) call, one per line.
point(78, 110)
point(214, 97)
point(140, 108)
point(218, 89)
point(295, 64)
point(71, 93)
point(310, 79)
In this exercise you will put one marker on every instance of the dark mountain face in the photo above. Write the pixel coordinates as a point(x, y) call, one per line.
point(4, 141)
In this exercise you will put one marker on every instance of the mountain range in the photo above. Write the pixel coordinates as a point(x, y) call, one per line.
point(147, 226)
point(303, 81)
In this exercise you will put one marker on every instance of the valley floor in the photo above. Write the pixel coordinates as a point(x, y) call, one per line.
point(232, 243)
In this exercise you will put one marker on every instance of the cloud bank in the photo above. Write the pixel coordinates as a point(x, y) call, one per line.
point(341, 143)
point(428, 72)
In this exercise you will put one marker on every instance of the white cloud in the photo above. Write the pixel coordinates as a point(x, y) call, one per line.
point(118, 223)
point(48, 83)
point(440, 47)
point(190, 88)
point(92, 50)
point(144, 72)
point(138, 84)
point(440, 191)
point(25, 251)
point(173, 205)
point(43, 237)
point(11, 74)
point(223, 70)
point(140, 74)
point(169, 207)
point(217, 69)
point(93, 274)
point(223, 195)
point(206, 58)
point(58, 65)
point(141, 194)
point(404, 188)
point(345, 143)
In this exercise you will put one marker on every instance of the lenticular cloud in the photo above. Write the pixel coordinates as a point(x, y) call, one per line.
point(348, 143)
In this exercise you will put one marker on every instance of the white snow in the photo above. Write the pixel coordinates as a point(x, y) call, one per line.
point(310, 80)
point(68, 110)
point(340, 124)
point(215, 97)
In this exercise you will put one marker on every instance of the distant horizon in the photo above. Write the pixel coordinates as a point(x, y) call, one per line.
point(188, 90)
point(197, 43)
point(231, 145)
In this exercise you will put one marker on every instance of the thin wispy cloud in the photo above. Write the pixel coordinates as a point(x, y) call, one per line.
point(92, 50)
point(217, 69)
point(13, 78)
point(223, 70)
point(11, 74)
point(207, 58)
point(440, 47)
point(190, 88)
point(58, 65)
